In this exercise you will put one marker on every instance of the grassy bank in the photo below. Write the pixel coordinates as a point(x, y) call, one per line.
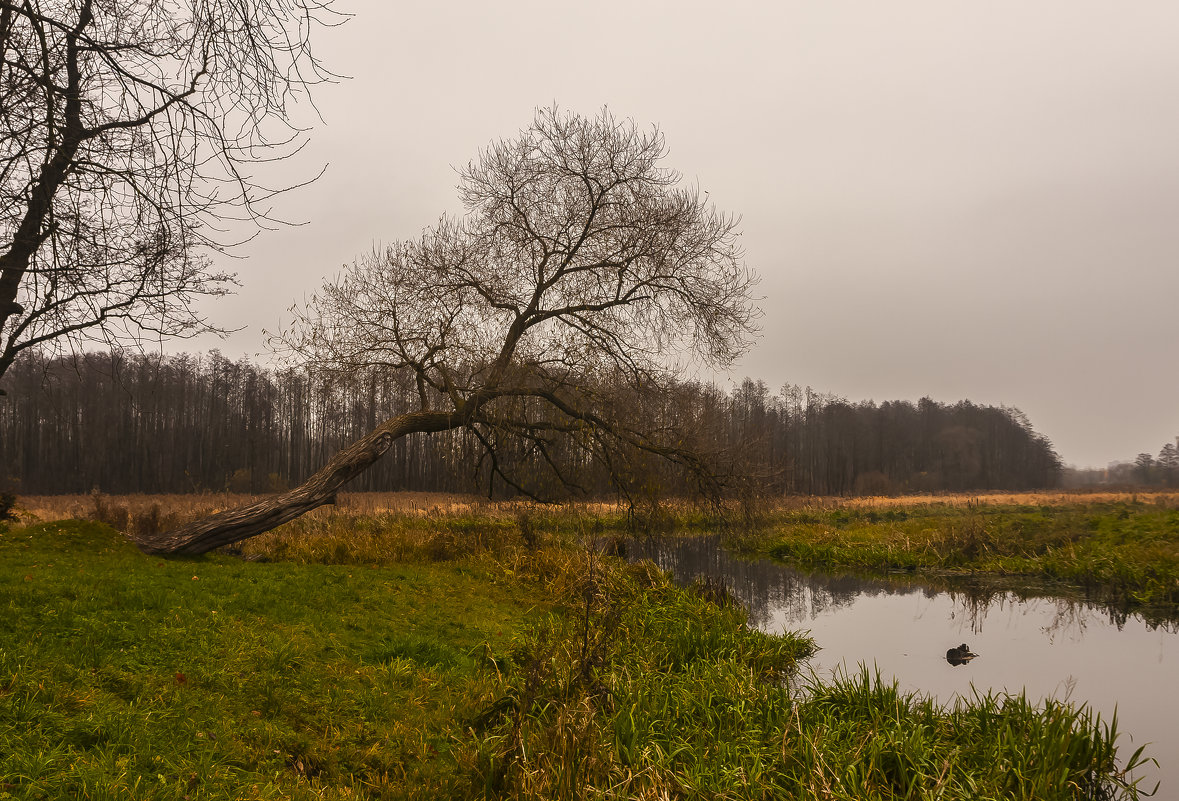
point(459, 656)
point(1122, 548)
point(1123, 551)
point(124, 676)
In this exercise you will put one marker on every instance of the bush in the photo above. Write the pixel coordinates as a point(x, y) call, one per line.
point(7, 507)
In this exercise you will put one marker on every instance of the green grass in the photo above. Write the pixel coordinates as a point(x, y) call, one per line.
point(461, 661)
point(1126, 553)
point(671, 697)
point(125, 676)
point(860, 738)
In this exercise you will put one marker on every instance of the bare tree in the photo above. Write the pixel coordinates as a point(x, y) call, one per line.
point(129, 132)
point(579, 255)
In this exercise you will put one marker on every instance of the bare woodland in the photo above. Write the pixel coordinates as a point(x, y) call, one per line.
point(539, 336)
point(130, 422)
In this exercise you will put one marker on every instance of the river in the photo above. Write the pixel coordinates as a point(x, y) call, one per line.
point(1065, 648)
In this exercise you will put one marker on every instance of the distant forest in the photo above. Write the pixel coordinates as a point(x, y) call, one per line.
point(128, 422)
point(1145, 471)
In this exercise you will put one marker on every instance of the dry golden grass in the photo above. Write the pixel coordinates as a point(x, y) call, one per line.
point(185, 507)
point(371, 528)
point(192, 506)
point(1044, 498)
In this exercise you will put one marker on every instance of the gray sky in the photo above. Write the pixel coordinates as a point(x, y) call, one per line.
point(960, 200)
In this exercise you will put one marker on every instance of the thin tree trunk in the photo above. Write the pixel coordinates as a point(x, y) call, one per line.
point(234, 525)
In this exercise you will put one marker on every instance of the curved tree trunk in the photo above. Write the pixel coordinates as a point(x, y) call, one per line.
point(234, 525)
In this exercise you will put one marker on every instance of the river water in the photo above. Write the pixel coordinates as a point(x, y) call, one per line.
point(1064, 648)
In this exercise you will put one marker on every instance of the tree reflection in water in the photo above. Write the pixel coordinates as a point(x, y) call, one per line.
point(773, 591)
point(1043, 639)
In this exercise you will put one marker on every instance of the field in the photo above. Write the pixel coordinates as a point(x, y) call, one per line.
point(60, 507)
point(443, 647)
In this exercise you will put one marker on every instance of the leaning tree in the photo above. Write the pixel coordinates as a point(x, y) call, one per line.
point(131, 135)
point(580, 267)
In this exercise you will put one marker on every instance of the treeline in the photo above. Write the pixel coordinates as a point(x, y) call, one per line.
point(823, 445)
point(1145, 471)
point(129, 422)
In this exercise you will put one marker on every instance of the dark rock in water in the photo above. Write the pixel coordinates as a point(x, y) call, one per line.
point(960, 655)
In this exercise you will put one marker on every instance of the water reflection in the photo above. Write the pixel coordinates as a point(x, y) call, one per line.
point(1027, 639)
point(960, 655)
point(772, 591)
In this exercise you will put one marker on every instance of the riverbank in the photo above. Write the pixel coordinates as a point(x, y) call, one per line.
point(1123, 552)
point(460, 656)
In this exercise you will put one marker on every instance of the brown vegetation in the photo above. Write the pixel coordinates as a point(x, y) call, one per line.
point(193, 506)
point(441, 505)
point(1168, 498)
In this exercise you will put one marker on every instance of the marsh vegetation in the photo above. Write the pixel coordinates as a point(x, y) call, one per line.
point(442, 649)
point(1122, 549)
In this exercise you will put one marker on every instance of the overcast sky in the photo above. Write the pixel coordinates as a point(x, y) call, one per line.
point(959, 200)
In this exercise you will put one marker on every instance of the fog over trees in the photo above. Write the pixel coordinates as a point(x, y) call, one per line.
point(1145, 470)
point(129, 422)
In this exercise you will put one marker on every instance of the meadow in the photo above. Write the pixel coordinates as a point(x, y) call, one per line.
point(444, 647)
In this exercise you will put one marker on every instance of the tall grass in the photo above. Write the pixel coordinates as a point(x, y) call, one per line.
point(860, 737)
point(644, 690)
point(186, 507)
point(1122, 548)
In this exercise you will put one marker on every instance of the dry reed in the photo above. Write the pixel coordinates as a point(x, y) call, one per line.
point(186, 507)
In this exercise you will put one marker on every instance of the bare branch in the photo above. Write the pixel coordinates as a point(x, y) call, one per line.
point(127, 129)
